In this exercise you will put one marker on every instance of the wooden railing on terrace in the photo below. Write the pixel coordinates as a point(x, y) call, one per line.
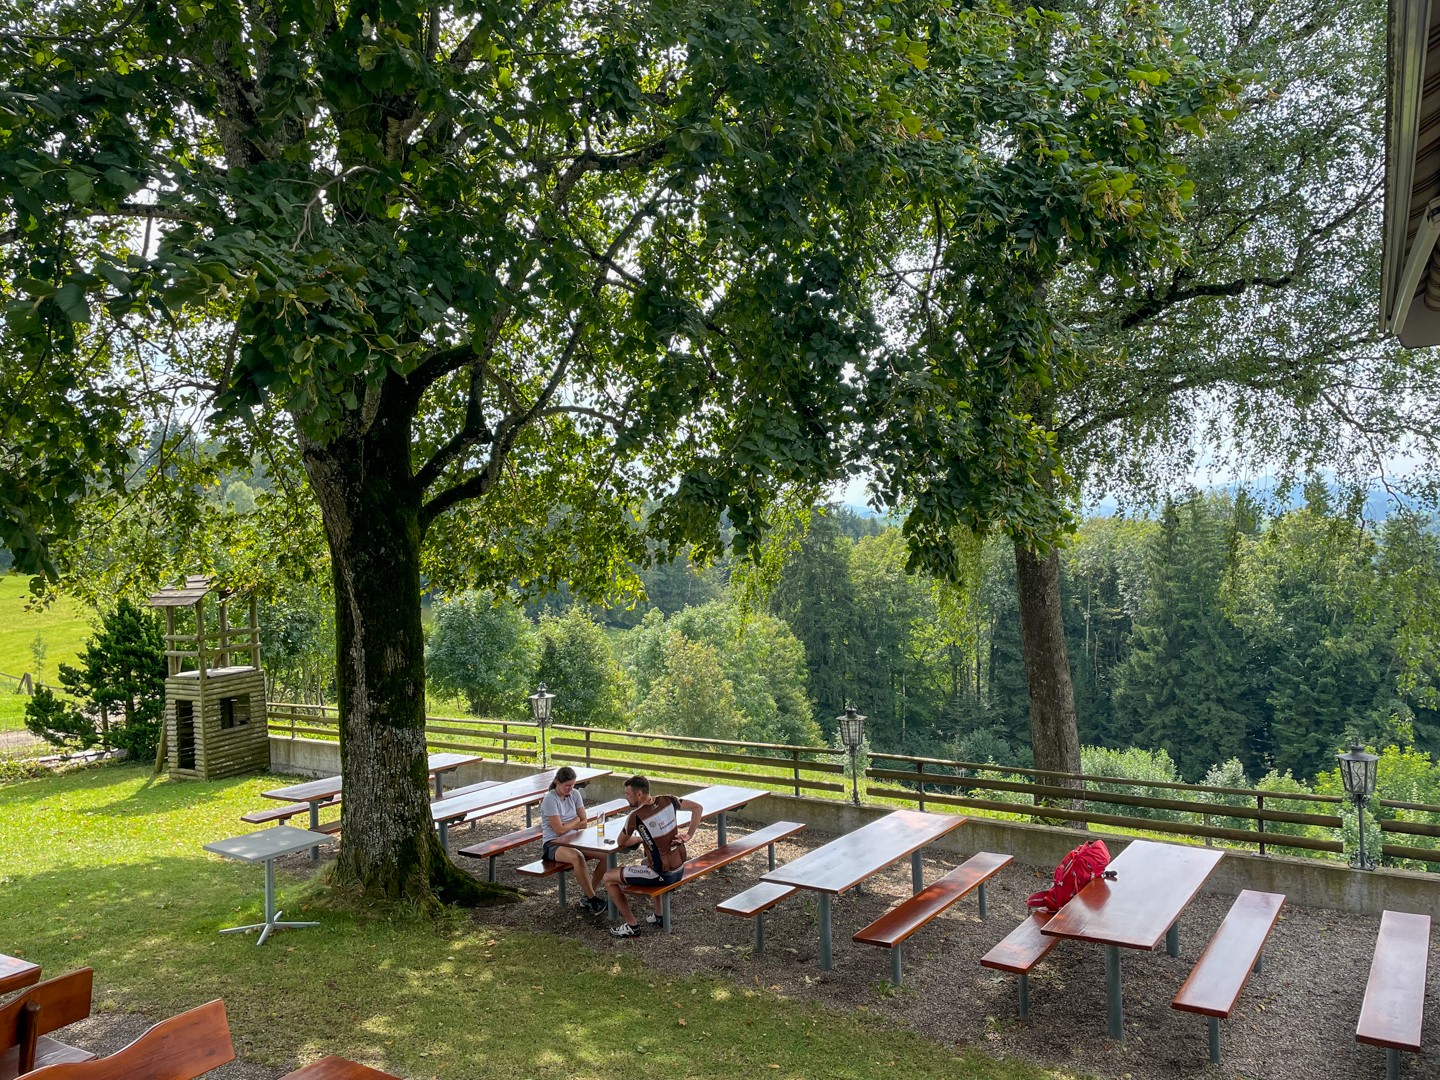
point(1164, 807)
point(773, 765)
point(507, 740)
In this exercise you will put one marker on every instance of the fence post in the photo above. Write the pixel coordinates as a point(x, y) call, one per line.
point(1260, 822)
point(504, 744)
point(795, 761)
point(920, 772)
point(292, 723)
point(587, 744)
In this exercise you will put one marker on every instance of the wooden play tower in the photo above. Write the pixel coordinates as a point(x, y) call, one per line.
point(215, 722)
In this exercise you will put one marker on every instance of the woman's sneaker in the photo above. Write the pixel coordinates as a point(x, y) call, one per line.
point(625, 930)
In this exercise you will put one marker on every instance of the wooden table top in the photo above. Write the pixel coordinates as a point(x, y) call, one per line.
point(15, 973)
point(587, 840)
point(507, 796)
point(328, 787)
point(1153, 884)
point(440, 763)
point(722, 798)
point(852, 858)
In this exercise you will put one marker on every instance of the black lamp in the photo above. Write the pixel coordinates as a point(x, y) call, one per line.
point(852, 734)
point(1357, 772)
point(540, 709)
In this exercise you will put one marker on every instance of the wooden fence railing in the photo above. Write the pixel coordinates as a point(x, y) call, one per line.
point(773, 765)
point(1264, 819)
point(508, 740)
point(1074, 797)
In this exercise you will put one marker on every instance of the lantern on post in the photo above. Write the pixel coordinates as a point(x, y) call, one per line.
point(540, 710)
point(852, 734)
point(1357, 773)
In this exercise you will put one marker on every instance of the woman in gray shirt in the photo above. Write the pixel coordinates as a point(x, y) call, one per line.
point(561, 811)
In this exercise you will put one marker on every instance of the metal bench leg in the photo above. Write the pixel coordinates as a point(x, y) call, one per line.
point(1392, 1065)
point(983, 913)
point(1172, 939)
point(491, 861)
point(1024, 995)
point(665, 913)
point(529, 814)
point(445, 838)
point(1214, 1039)
point(1115, 1007)
point(759, 933)
point(826, 962)
point(895, 966)
point(562, 888)
point(771, 849)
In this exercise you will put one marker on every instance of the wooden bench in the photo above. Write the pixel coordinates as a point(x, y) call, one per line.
point(1394, 1006)
point(716, 858)
point(336, 1068)
point(15, 974)
point(1022, 949)
point(494, 848)
point(893, 928)
point(1224, 967)
point(27, 1020)
point(181, 1048)
point(283, 813)
point(753, 903)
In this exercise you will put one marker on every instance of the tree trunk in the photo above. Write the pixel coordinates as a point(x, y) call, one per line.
point(1054, 733)
point(370, 507)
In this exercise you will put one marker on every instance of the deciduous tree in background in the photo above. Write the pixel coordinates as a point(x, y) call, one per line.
point(493, 269)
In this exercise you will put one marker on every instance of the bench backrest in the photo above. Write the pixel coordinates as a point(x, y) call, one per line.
point(45, 1007)
point(181, 1048)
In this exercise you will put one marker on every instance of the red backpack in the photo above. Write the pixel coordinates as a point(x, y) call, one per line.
point(1076, 870)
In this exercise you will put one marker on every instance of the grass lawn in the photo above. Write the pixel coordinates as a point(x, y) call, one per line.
point(64, 628)
point(104, 867)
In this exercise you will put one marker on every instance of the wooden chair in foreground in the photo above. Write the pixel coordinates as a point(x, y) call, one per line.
point(27, 1020)
point(181, 1048)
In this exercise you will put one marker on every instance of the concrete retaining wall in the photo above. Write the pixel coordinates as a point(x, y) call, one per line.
point(1310, 883)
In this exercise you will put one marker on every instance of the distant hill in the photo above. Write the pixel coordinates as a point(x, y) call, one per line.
point(1379, 504)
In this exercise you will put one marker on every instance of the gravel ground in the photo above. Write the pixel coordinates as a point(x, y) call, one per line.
point(1295, 1020)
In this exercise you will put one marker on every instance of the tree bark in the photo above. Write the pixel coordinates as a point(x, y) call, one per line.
point(1054, 732)
point(370, 507)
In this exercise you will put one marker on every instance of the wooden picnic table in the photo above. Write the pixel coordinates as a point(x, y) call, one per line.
point(318, 792)
point(719, 799)
point(511, 795)
point(848, 860)
point(16, 973)
point(1153, 885)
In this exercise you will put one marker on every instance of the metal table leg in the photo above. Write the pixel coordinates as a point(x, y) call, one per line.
point(917, 873)
point(895, 966)
point(1114, 1005)
point(272, 917)
point(314, 827)
point(825, 958)
point(720, 829)
point(439, 785)
point(443, 827)
point(1172, 939)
